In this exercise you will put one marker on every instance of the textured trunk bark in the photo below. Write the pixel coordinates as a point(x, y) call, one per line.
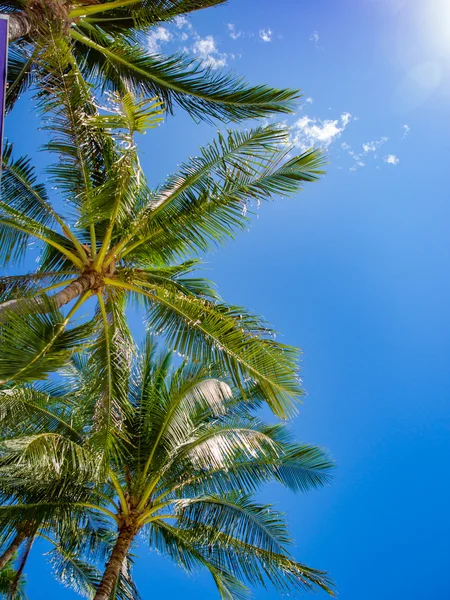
point(115, 563)
point(86, 282)
point(12, 548)
point(19, 26)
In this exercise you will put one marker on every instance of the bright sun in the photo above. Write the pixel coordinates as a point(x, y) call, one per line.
point(434, 24)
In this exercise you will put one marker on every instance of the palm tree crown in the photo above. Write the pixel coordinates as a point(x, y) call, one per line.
point(126, 241)
point(177, 459)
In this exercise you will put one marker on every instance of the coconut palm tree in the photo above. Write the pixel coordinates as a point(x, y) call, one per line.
point(177, 460)
point(108, 43)
point(123, 241)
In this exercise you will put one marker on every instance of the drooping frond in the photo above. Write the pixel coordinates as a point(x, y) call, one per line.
point(37, 411)
point(8, 578)
point(22, 68)
point(118, 61)
point(238, 516)
point(186, 553)
point(20, 191)
point(33, 344)
point(236, 341)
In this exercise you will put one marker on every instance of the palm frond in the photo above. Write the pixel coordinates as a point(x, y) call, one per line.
point(236, 515)
point(138, 15)
point(175, 79)
point(207, 199)
point(236, 341)
point(22, 67)
point(187, 554)
point(32, 345)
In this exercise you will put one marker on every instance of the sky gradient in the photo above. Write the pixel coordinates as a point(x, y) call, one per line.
point(354, 271)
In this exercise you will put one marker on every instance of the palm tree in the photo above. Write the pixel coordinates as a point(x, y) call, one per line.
point(124, 241)
point(107, 42)
point(177, 459)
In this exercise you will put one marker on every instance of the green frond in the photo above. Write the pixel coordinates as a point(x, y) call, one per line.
point(22, 69)
point(25, 407)
point(303, 467)
point(236, 341)
point(107, 377)
point(52, 455)
point(170, 413)
point(207, 199)
point(187, 554)
point(74, 572)
point(125, 16)
point(129, 114)
point(32, 345)
point(236, 515)
point(174, 80)
point(20, 191)
point(216, 446)
point(256, 565)
point(8, 578)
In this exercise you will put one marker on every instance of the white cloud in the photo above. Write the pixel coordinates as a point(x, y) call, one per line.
point(314, 37)
point(206, 50)
point(391, 159)
point(406, 130)
point(157, 36)
point(357, 158)
point(234, 35)
point(374, 145)
point(181, 22)
point(346, 118)
point(265, 35)
point(309, 100)
point(307, 132)
point(205, 46)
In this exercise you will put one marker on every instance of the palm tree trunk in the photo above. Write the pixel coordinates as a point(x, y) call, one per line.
point(19, 26)
point(86, 282)
point(114, 565)
point(19, 573)
point(12, 548)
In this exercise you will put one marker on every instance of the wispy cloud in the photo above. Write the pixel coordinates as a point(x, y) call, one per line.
point(206, 50)
point(266, 35)
point(181, 22)
point(307, 132)
point(374, 145)
point(391, 159)
point(406, 130)
point(309, 100)
point(314, 37)
point(357, 157)
point(158, 36)
point(234, 35)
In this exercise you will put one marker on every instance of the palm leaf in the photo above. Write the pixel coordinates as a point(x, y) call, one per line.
point(231, 338)
point(32, 345)
point(175, 79)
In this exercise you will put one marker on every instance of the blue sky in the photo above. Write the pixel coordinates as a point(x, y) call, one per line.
point(354, 270)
